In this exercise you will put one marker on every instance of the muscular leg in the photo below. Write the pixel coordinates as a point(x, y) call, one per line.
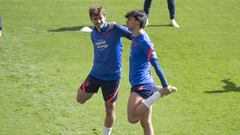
point(136, 108)
point(138, 111)
point(82, 96)
point(146, 122)
point(110, 115)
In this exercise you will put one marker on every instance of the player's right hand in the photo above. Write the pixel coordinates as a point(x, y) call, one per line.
point(111, 25)
point(168, 90)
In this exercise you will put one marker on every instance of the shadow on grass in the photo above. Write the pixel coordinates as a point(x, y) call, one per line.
point(78, 28)
point(157, 25)
point(71, 28)
point(229, 87)
point(160, 25)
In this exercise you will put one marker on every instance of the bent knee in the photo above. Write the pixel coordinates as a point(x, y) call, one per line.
point(80, 97)
point(109, 105)
point(110, 108)
point(132, 120)
point(80, 101)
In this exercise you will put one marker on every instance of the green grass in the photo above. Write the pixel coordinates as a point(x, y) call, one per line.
point(42, 65)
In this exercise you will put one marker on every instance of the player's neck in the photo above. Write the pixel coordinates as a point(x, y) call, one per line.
point(137, 32)
point(99, 28)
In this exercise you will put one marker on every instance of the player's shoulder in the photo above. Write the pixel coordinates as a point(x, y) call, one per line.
point(117, 26)
point(145, 40)
point(95, 32)
point(145, 36)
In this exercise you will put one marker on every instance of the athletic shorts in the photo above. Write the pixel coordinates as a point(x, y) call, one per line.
point(109, 88)
point(143, 90)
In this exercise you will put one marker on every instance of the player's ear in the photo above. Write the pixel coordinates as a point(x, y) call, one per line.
point(138, 23)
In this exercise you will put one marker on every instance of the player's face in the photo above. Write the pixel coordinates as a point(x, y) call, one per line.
point(98, 21)
point(131, 23)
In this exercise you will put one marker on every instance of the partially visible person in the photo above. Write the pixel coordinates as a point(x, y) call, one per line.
point(0, 26)
point(106, 70)
point(171, 8)
point(143, 90)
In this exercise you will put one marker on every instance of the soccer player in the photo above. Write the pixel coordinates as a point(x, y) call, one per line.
point(171, 8)
point(143, 93)
point(106, 70)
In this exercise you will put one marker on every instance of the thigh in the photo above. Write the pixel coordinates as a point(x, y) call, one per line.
point(133, 101)
point(110, 91)
point(82, 96)
point(138, 93)
point(90, 85)
point(87, 89)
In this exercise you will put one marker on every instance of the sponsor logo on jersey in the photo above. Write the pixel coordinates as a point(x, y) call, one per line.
point(101, 44)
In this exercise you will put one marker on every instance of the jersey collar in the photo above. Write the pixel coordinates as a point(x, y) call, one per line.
point(104, 28)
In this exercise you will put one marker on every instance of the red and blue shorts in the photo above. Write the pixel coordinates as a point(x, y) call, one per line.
point(143, 90)
point(109, 88)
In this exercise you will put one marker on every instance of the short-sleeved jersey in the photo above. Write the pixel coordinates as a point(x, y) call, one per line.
point(108, 51)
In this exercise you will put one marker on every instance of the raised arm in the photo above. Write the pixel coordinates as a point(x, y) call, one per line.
point(124, 31)
point(121, 29)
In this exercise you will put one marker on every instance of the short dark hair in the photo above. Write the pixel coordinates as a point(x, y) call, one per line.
point(96, 10)
point(139, 15)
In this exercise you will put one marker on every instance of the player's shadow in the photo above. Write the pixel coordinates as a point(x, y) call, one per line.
point(229, 87)
point(159, 25)
point(156, 25)
point(78, 28)
point(65, 29)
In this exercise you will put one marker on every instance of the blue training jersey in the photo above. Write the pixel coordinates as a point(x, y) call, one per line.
point(108, 51)
point(141, 55)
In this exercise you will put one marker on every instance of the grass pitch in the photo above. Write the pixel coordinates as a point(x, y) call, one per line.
point(44, 58)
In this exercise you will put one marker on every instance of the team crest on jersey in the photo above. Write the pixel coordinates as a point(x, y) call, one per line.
point(135, 43)
point(106, 34)
point(101, 44)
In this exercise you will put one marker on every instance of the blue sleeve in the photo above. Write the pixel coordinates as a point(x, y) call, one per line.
point(158, 69)
point(123, 31)
point(152, 57)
